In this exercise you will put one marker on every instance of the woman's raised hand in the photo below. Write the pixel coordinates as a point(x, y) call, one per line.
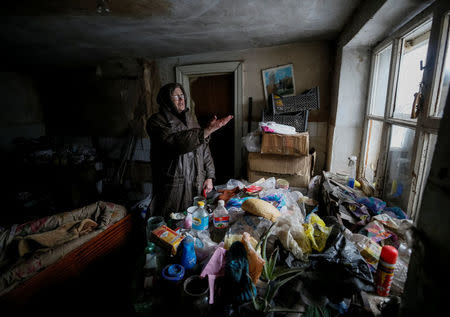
point(215, 124)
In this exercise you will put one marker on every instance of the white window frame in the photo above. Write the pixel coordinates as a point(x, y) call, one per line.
point(425, 124)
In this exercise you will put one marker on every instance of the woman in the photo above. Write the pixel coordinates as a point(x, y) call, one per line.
point(181, 160)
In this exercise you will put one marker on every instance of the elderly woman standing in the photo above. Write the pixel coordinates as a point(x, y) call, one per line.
point(181, 161)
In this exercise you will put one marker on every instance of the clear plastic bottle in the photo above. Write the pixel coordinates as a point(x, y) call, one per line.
point(221, 216)
point(200, 217)
point(352, 171)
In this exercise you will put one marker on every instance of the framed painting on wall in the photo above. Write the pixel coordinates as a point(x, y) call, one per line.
point(279, 80)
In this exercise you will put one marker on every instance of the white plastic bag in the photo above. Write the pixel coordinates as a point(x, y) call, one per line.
point(252, 141)
point(274, 127)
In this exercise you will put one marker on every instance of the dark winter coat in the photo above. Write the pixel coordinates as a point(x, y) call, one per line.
point(180, 156)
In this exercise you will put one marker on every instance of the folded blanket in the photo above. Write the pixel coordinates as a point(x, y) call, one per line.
point(52, 238)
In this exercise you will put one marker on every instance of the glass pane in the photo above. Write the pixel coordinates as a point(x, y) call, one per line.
point(373, 142)
point(429, 154)
point(445, 81)
point(398, 174)
point(380, 81)
point(414, 51)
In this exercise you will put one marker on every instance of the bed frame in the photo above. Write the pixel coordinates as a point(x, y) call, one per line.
point(59, 284)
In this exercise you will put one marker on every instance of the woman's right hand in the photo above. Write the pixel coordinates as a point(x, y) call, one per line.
point(215, 124)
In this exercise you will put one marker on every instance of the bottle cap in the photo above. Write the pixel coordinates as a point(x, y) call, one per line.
point(201, 203)
point(389, 254)
point(221, 202)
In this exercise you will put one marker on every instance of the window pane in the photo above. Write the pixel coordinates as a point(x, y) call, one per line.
point(414, 51)
point(398, 175)
point(380, 81)
point(373, 142)
point(445, 81)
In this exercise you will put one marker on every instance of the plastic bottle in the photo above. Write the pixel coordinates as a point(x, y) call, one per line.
point(188, 257)
point(221, 217)
point(352, 171)
point(200, 217)
point(385, 270)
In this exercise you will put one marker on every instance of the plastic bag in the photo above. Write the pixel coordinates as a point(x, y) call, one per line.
point(316, 231)
point(290, 232)
point(232, 183)
point(375, 231)
point(368, 249)
point(252, 141)
point(285, 200)
point(269, 183)
point(273, 127)
point(314, 187)
point(255, 261)
point(401, 269)
point(375, 205)
point(338, 272)
point(395, 212)
point(203, 245)
point(253, 225)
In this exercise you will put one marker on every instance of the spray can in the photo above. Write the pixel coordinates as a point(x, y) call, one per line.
point(352, 171)
point(385, 270)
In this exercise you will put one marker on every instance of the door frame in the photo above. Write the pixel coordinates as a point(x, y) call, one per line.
point(182, 74)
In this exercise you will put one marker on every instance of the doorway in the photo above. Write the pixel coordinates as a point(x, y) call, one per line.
point(183, 73)
point(213, 95)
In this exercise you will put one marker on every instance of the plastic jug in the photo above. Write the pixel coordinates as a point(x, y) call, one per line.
point(221, 217)
point(200, 217)
point(188, 257)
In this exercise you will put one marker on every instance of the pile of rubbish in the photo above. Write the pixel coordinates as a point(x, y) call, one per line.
point(260, 248)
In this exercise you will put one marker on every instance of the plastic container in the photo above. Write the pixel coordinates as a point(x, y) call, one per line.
point(153, 223)
point(200, 217)
point(221, 216)
point(188, 257)
point(173, 272)
point(385, 270)
point(351, 171)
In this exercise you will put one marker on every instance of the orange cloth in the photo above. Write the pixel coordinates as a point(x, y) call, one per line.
point(228, 193)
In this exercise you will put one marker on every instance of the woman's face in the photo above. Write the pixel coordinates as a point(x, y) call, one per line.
point(178, 99)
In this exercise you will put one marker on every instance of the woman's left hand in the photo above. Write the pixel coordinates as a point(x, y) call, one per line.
point(208, 185)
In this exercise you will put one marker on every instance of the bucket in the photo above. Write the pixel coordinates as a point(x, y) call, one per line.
point(196, 286)
point(196, 291)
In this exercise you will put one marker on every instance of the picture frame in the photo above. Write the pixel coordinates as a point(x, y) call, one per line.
point(279, 80)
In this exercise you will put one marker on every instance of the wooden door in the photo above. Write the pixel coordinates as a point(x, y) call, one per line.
point(214, 95)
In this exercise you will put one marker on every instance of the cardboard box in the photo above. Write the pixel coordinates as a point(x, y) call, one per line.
point(296, 144)
point(296, 180)
point(279, 164)
point(166, 238)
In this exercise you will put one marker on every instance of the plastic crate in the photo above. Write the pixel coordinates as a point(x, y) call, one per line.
point(299, 120)
point(308, 100)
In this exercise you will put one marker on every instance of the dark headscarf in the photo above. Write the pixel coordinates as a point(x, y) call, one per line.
point(164, 97)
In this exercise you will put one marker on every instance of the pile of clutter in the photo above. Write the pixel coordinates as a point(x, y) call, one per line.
point(256, 248)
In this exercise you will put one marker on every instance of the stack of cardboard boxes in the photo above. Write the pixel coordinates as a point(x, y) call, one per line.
point(283, 156)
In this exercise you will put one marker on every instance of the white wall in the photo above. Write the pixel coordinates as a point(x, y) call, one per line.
point(351, 103)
